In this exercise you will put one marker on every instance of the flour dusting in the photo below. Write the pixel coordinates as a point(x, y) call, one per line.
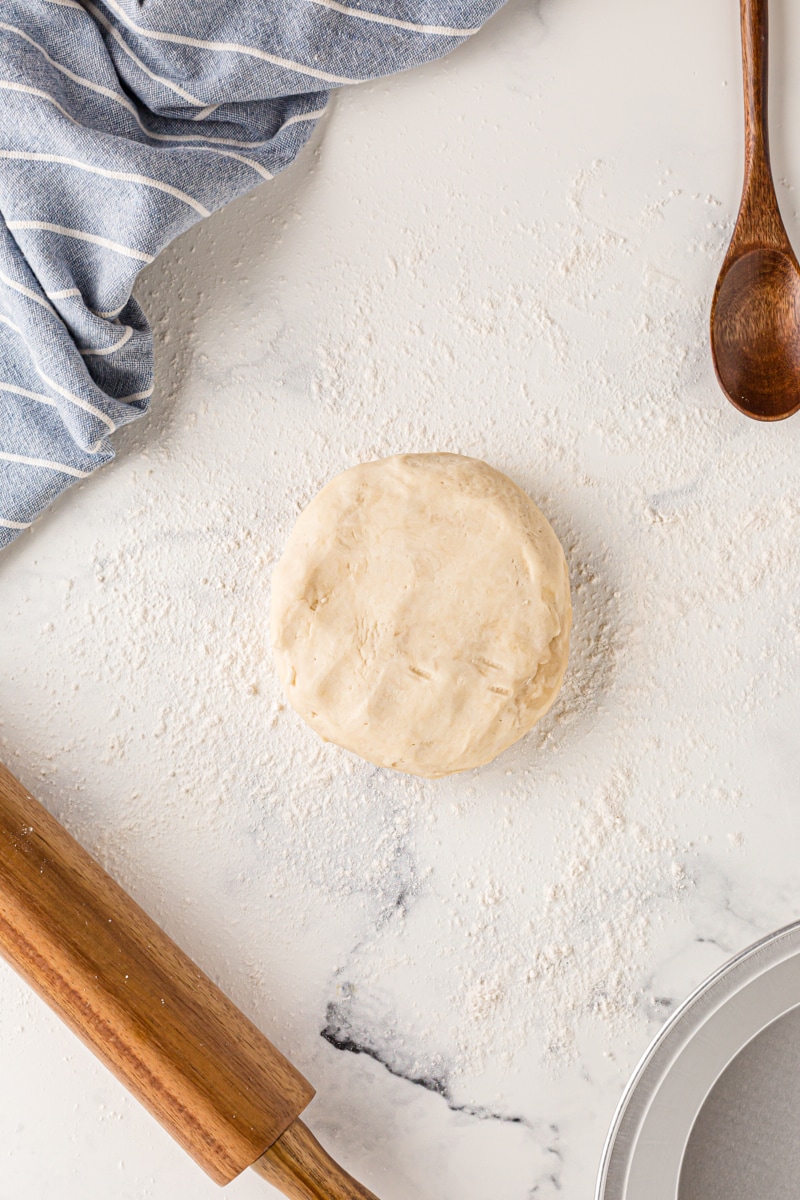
point(467, 926)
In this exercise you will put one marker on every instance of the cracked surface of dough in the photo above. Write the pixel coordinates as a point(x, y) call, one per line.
point(421, 613)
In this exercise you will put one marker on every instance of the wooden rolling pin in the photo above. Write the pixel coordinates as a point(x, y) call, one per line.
point(154, 1018)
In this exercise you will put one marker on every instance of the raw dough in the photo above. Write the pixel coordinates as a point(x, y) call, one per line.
point(421, 613)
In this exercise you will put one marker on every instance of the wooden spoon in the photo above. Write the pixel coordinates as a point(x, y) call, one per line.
point(755, 313)
point(150, 1014)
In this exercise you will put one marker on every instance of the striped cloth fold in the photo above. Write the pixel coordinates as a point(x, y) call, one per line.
point(122, 123)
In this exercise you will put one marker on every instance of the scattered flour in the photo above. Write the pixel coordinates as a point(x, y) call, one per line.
point(449, 928)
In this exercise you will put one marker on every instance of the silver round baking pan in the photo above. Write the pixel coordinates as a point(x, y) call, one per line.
point(726, 1066)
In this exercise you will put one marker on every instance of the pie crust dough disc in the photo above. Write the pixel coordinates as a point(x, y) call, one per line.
point(421, 613)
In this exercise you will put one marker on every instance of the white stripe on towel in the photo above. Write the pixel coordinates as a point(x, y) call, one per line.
point(440, 30)
point(126, 337)
point(78, 400)
point(11, 325)
point(43, 462)
point(82, 236)
point(144, 395)
point(180, 39)
point(81, 403)
point(119, 39)
point(203, 139)
point(124, 176)
point(309, 116)
point(26, 291)
point(21, 391)
point(110, 313)
point(125, 103)
point(65, 293)
point(9, 85)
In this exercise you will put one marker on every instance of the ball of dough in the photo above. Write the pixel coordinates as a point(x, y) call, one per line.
point(421, 613)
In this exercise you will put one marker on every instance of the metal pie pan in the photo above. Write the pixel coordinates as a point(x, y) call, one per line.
point(646, 1144)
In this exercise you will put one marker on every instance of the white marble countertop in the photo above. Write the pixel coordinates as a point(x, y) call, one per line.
point(511, 254)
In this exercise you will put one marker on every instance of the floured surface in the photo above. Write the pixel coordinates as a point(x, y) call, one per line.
point(524, 280)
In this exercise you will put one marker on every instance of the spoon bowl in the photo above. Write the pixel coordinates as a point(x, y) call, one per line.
point(755, 334)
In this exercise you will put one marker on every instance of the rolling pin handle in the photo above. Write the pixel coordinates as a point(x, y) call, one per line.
point(300, 1168)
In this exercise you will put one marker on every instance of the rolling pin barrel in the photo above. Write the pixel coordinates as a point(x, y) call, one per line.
point(149, 1013)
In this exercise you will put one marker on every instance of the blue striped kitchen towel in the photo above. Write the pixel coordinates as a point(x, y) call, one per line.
point(122, 122)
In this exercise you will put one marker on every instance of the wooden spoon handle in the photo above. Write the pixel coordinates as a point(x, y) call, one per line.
point(759, 219)
point(754, 19)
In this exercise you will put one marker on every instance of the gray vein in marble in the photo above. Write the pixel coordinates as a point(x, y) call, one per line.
point(340, 1034)
point(550, 1182)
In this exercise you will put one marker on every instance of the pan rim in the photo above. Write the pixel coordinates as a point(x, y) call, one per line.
point(689, 1016)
